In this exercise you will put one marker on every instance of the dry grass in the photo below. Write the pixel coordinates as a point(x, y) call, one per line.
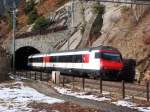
point(49, 6)
point(61, 107)
point(45, 7)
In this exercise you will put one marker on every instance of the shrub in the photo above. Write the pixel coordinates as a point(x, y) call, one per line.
point(98, 8)
point(40, 23)
point(29, 6)
point(32, 16)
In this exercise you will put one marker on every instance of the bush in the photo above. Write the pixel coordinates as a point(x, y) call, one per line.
point(32, 16)
point(98, 8)
point(40, 23)
point(29, 6)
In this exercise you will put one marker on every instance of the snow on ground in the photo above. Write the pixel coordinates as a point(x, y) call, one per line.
point(82, 95)
point(14, 97)
point(131, 105)
point(92, 97)
point(17, 78)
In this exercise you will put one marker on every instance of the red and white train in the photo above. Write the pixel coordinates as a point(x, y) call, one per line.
point(102, 61)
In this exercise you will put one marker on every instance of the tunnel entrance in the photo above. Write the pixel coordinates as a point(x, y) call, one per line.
point(21, 57)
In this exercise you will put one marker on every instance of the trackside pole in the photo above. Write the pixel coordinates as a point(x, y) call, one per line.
point(83, 83)
point(147, 90)
point(30, 74)
point(63, 82)
point(41, 76)
point(55, 77)
point(101, 85)
point(123, 89)
point(26, 74)
point(47, 76)
point(35, 75)
point(73, 82)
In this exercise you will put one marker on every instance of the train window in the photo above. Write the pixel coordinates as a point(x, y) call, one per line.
point(111, 56)
point(37, 60)
point(53, 59)
point(77, 59)
point(61, 59)
point(67, 59)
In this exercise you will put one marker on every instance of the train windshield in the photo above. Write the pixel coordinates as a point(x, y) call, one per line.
point(108, 56)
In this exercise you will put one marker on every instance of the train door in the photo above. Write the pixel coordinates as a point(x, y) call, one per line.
point(85, 61)
point(94, 62)
point(46, 61)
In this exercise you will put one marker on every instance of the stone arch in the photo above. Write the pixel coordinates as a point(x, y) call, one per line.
point(21, 56)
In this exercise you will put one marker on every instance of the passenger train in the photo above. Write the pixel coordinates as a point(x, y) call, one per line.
point(102, 61)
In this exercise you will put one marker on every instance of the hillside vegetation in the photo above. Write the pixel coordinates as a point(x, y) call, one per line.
point(42, 8)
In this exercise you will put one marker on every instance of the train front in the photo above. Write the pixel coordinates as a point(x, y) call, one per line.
point(111, 63)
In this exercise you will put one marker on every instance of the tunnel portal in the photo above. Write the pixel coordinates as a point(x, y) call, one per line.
point(21, 56)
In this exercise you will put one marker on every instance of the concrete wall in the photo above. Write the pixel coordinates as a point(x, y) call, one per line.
point(43, 43)
point(4, 66)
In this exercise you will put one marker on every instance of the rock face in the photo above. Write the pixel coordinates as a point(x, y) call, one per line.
point(4, 66)
point(122, 31)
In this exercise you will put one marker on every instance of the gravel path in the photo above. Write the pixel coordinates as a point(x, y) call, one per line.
point(44, 88)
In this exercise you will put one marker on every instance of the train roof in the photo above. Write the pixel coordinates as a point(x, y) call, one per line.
point(89, 49)
point(83, 49)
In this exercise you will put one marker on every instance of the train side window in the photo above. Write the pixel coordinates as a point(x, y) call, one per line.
point(77, 58)
point(69, 59)
point(52, 58)
point(73, 58)
point(41, 59)
point(58, 58)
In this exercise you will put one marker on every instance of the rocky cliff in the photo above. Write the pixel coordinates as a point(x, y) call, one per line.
point(130, 35)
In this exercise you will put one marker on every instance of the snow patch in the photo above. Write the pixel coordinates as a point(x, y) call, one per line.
point(131, 105)
point(81, 95)
point(17, 78)
point(14, 97)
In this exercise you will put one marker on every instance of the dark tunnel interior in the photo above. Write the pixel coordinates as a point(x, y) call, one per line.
point(21, 57)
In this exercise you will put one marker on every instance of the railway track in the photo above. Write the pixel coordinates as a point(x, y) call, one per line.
point(131, 89)
point(129, 86)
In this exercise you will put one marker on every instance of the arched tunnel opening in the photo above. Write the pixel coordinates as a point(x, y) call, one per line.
point(21, 57)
